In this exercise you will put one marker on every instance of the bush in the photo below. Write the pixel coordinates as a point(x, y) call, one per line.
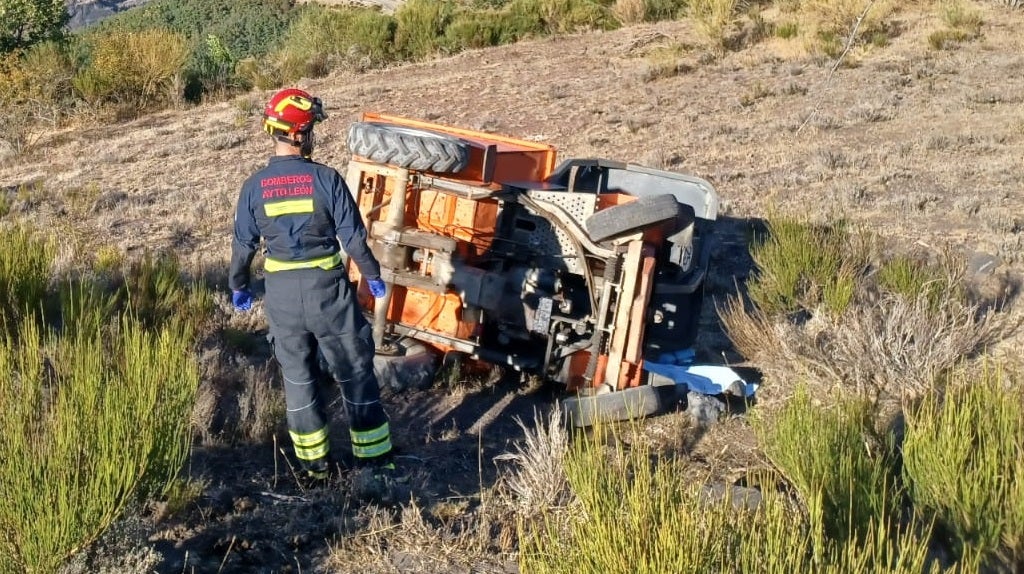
point(963, 464)
point(96, 406)
point(714, 19)
point(80, 442)
point(138, 69)
point(912, 277)
point(477, 29)
point(25, 265)
point(819, 309)
point(804, 267)
point(35, 89)
point(333, 38)
point(963, 24)
point(421, 26)
point(957, 15)
point(633, 513)
point(528, 17)
point(218, 33)
point(829, 455)
point(24, 23)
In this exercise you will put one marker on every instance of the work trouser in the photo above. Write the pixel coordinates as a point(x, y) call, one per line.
point(311, 309)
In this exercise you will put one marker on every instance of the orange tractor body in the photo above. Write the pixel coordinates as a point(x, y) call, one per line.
point(575, 272)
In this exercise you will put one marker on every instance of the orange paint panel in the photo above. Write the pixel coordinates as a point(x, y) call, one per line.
point(431, 311)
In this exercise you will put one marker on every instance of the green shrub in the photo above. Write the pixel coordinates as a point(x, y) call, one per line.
point(658, 10)
point(96, 396)
point(477, 29)
point(714, 19)
point(27, 22)
point(321, 39)
point(947, 39)
point(963, 464)
point(528, 17)
point(803, 267)
point(911, 277)
point(634, 513)
point(421, 26)
point(139, 69)
point(219, 34)
point(25, 266)
point(787, 30)
point(260, 73)
point(843, 477)
point(957, 15)
point(105, 422)
point(35, 89)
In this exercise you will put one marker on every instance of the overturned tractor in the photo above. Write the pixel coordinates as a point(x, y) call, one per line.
point(578, 272)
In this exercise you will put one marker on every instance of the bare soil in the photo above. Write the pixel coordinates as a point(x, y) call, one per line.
point(925, 147)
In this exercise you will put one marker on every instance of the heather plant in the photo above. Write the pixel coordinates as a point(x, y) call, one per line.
point(421, 25)
point(840, 470)
point(96, 391)
point(36, 91)
point(25, 266)
point(962, 463)
point(321, 39)
point(631, 511)
point(806, 267)
point(714, 19)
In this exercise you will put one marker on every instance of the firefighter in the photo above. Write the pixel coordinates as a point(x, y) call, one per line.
point(306, 217)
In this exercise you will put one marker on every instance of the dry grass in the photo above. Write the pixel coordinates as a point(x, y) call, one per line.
point(714, 20)
point(891, 350)
point(630, 11)
point(537, 482)
point(412, 539)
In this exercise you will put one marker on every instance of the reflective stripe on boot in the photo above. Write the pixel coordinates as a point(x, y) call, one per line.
point(371, 443)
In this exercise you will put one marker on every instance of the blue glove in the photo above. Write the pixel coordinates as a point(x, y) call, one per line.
point(241, 299)
point(377, 287)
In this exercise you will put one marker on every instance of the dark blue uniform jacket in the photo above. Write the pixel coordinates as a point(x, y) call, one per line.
point(301, 209)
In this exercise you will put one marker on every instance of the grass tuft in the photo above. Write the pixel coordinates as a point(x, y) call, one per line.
point(805, 267)
point(714, 20)
point(963, 464)
point(841, 473)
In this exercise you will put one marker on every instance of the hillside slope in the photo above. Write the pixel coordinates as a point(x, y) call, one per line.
point(927, 142)
point(926, 147)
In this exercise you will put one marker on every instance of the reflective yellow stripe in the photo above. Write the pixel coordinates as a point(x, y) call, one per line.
point(371, 436)
point(309, 439)
point(288, 207)
point(271, 123)
point(297, 101)
point(329, 262)
point(372, 450)
point(305, 453)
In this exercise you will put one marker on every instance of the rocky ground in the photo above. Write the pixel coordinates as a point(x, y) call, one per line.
point(924, 146)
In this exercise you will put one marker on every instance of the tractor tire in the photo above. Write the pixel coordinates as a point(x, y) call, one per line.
point(409, 148)
point(628, 217)
point(627, 404)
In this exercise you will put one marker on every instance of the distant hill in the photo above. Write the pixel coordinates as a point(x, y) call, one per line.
point(85, 12)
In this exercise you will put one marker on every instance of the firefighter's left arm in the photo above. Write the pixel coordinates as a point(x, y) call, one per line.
point(348, 224)
point(245, 243)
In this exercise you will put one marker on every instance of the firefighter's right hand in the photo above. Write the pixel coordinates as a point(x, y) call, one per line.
point(377, 287)
point(241, 299)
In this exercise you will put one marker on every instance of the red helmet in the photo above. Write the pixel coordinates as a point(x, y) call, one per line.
point(291, 111)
